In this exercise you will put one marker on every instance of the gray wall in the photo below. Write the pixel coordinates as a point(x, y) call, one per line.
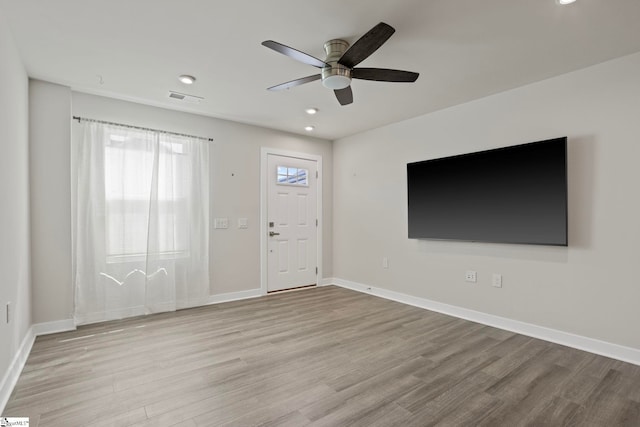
point(235, 253)
point(14, 203)
point(590, 288)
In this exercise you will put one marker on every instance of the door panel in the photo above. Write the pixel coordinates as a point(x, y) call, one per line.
point(282, 212)
point(283, 256)
point(292, 212)
point(303, 259)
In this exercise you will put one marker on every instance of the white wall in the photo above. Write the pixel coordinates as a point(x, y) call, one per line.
point(235, 253)
point(49, 136)
point(14, 207)
point(590, 288)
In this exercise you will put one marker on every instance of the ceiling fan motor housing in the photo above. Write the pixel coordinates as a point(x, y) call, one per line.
point(335, 76)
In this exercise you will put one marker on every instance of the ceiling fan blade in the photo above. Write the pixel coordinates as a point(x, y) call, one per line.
point(384, 75)
point(294, 53)
point(345, 96)
point(296, 82)
point(366, 45)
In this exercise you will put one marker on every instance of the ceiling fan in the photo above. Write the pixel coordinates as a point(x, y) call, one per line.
point(338, 67)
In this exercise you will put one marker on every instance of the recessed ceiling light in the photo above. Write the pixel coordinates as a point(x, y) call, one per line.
point(311, 111)
point(565, 1)
point(309, 128)
point(186, 79)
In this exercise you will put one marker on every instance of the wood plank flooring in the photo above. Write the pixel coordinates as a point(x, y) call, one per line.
point(319, 357)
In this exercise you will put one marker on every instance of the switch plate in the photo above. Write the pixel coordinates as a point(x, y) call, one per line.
point(496, 281)
point(243, 223)
point(9, 312)
point(385, 262)
point(221, 223)
point(470, 276)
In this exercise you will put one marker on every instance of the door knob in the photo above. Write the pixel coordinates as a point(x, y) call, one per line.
point(273, 233)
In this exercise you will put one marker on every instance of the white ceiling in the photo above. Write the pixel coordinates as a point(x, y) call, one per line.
point(463, 50)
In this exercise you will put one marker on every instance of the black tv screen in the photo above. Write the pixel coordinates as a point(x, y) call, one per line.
point(514, 194)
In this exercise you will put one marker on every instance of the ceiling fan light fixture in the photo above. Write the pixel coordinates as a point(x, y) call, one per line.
point(187, 79)
point(336, 82)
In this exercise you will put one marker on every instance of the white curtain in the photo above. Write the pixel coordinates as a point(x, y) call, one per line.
point(141, 222)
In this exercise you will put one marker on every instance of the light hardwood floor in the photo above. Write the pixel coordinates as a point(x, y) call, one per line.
point(321, 357)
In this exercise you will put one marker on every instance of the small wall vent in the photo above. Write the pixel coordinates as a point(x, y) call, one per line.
point(191, 99)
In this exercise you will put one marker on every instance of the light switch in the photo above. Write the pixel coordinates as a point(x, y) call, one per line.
point(243, 223)
point(496, 281)
point(221, 223)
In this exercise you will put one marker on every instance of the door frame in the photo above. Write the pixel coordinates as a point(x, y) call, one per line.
point(264, 177)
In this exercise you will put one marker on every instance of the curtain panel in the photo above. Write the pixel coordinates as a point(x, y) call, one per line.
point(141, 222)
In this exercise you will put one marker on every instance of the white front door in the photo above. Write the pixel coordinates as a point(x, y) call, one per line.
point(292, 227)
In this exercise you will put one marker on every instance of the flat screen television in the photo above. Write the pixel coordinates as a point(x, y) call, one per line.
point(515, 194)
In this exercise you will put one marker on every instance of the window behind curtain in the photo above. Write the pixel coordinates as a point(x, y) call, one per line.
point(130, 189)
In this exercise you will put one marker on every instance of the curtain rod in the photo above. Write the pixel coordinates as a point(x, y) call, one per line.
point(79, 119)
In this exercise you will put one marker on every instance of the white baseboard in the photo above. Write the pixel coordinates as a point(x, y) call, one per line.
point(327, 281)
point(603, 348)
point(234, 296)
point(12, 374)
point(54, 327)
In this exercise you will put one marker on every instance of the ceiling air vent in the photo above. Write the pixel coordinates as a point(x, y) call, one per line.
point(191, 99)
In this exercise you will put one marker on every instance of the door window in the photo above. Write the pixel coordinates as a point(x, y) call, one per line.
point(292, 176)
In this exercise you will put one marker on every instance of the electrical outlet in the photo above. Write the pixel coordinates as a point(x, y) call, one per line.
point(470, 276)
point(496, 281)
